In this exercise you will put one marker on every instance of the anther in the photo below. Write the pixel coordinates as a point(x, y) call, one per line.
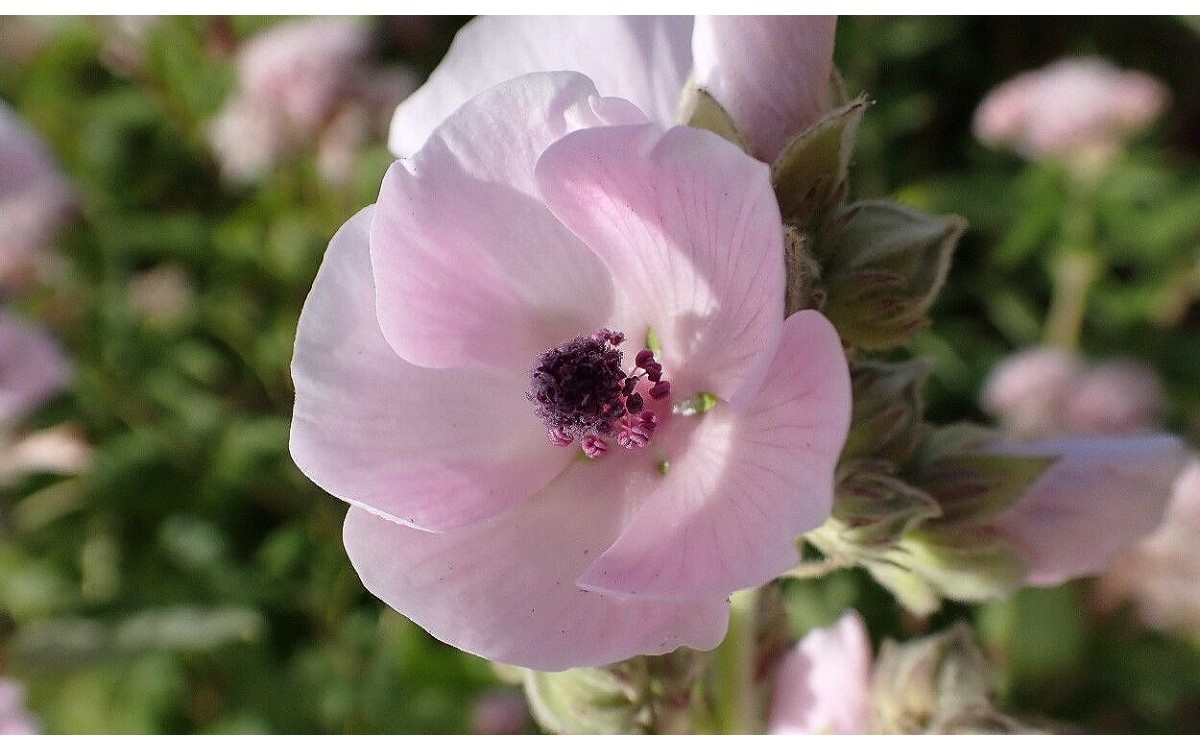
point(634, 404)
point(593, 446)
point(635, 432)
point(660, 390)
point(581, 393)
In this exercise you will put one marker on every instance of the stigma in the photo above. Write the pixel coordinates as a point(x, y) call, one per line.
point(582, 392)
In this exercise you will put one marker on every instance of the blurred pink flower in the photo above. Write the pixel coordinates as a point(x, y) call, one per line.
point(471, 337)
point(14, 716)
point(1116, 397)
point(500, 711)
point(1159, 575)
point(1027, 391)
point(301, 69)
point(1101, 497)
point(32, 368)
point(296, 82)
point(1047, 392)
point(1073, 108)
point(34, 196)
point(771, 73)
point(823, 684)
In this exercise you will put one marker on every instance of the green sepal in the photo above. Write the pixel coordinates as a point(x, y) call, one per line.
point(872, 508)
point(964, 566)
point(884, 270)
point(912, 591)
point(699, 109)
point(803, 272)
point(887, 410)
point(810, 173)
point(646, 694)
point(585, 701)
point(973, 489)
point(936, 685)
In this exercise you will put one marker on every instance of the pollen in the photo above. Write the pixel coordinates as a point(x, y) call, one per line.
point(581, 392)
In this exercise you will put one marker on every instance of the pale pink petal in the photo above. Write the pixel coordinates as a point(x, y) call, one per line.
point(741, 486)
point(470, 266)
point(771, 73)
point(505, 588)
point(823, 684)
point(644, 59)
point(689, 228)
point(14, 716)
point(433, 448)
point(1102, 496)
point(34, 196)
point(32, 368)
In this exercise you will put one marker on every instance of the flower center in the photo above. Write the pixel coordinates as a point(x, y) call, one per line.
point(581, 392)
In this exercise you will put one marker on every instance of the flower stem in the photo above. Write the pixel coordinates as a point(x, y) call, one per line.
point(735, 706)
point(1075, 267)
point(1073, 274)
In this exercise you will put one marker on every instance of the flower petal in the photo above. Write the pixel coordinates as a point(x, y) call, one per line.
point(823, 684)
point(470, 267)
point(1102, 495)
point(32, 368)
point(433, 448)
point(771, 73)
point(689, 228)
point(504, 589)
point(644, 59)
point(741, 485)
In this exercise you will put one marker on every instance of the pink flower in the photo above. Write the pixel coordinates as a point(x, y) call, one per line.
point(483, 328)
point(1071, 108)
point(1028, 391)
point(32, 368)
point(299, 83)
point(1159, 575)
point(34, 196)
point(823, 684)
point(1101, 497)
point(771, 73)
point(1048, 392)
point(14, 717)
point(1116, 397)
point(301, 69)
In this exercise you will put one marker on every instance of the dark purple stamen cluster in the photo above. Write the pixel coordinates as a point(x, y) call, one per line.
point(580, 392)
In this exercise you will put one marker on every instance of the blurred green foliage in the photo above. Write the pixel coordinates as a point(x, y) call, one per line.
point(192, 580)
